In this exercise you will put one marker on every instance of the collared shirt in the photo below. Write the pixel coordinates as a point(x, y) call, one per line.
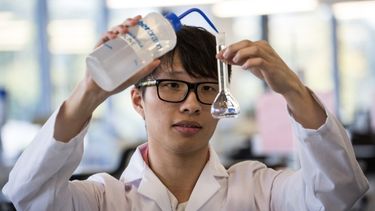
point(329, 179)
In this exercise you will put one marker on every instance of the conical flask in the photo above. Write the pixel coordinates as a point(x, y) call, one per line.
point(224, 105)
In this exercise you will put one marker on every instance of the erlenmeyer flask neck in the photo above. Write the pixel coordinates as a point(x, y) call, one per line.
point(222, 67)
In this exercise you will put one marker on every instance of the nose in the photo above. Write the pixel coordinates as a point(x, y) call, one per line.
point(191, 105)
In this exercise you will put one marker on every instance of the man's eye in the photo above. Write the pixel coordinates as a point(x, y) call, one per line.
point(210, 88)
point(171, 85)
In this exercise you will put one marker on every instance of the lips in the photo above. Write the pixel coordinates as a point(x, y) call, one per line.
point(187, 128)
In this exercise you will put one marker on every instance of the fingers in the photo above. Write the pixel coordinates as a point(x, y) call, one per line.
point(257, 72)
point(132, 21)
point(253, 62)
point(123, 27)
point(257, 57)
point(238, 53)
point(119, 29)
point(109, 35)
point(231, 51)
point(262, 61)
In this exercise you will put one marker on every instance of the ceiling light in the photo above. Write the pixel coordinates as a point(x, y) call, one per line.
point(122, 4)
point(236, 8)
point(354, 10)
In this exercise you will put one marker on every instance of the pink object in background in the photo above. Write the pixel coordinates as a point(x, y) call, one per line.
point(274, 127)
point(328, 99)
point(274, 124)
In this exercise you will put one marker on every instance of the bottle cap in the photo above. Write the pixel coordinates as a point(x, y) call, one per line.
point(174, 20)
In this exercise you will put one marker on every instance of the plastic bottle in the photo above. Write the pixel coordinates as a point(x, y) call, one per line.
point(112, 63)
point(117, 60)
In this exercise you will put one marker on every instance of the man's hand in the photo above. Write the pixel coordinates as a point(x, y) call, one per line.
point(87, 96)
point(262, 60)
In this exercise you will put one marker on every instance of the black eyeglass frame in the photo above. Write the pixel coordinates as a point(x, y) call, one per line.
point(191, 86)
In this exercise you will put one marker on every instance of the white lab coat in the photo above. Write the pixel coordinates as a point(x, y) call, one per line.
point(329, 179)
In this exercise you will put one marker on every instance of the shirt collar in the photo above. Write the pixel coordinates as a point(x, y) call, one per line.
point(137, 166)
point(151, 187)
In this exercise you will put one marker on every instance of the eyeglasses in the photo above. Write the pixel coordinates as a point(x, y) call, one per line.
point(176, 91)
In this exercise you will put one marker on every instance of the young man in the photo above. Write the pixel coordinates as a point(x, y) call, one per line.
point(177, 169)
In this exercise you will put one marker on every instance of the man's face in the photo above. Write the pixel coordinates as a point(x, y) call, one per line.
point(181, 128)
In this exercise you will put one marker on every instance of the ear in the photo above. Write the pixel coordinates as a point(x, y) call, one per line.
point(137, 101)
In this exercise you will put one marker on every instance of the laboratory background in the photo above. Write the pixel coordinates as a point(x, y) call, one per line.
point(330, 44)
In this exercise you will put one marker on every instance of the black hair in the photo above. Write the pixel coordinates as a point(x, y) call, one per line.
point(196, 48)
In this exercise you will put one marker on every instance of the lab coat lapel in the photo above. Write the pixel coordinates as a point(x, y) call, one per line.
point(150, 185)
point(154, 189)
point(136, 167)
point(207, 184)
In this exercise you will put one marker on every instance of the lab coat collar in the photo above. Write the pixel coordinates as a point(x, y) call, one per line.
point(151, 187)
point(207, 184)
point(136, 167)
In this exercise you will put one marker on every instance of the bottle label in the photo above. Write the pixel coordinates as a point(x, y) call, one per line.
point(141, 37)
point(150, 33)
point(132, 41)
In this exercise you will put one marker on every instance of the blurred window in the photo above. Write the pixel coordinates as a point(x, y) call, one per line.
point(18, 58)
point(357, 65)
point(72, 32)
point(303, 41)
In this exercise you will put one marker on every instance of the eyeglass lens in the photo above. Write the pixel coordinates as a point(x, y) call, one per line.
point(177, 91)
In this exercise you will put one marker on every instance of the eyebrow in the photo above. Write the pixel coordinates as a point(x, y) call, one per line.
point(176, 71)
point(173, 72)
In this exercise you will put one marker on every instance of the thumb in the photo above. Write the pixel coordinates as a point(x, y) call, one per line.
point(257, 72)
